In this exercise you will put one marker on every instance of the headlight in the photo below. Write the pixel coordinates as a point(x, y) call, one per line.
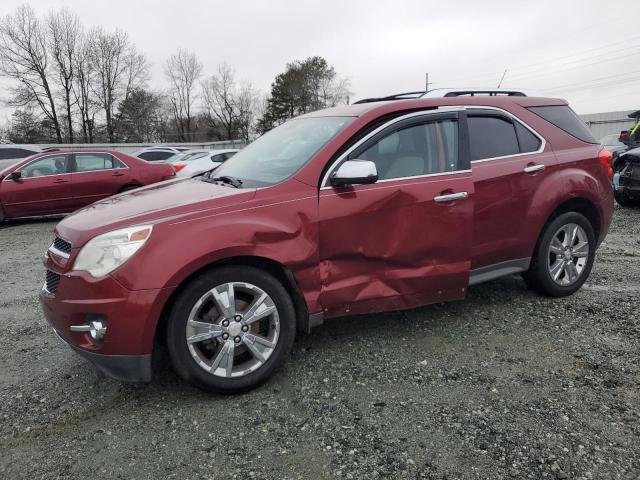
point(106, 252)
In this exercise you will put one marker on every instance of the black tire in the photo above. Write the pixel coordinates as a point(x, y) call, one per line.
point(538, 277)
point(128, 188)
point(624, 201)
point(183, 362)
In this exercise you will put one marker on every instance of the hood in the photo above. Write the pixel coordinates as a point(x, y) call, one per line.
point(151, 204)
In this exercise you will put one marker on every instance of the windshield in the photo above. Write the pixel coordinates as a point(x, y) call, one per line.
point(281, 152)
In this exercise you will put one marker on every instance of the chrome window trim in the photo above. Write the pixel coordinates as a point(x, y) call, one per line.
point(543, 142)
point(443, 109)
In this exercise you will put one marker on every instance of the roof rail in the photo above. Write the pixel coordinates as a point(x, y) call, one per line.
point(493, 92)
point(397, 96)
point(453, 92)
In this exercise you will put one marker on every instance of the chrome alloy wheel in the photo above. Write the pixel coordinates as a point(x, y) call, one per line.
point(568, 254)
point(233, 329)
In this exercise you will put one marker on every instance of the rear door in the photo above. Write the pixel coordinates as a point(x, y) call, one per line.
point(44, 188)
point(97, 176)
point(406, 239)
point(509, 163)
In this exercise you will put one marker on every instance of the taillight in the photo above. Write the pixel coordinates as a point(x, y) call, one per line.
point(179, 167)
point(170, 172)
point(606, 157)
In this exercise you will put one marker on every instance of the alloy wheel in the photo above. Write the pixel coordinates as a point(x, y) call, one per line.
point(568, 254)
point(233, 329)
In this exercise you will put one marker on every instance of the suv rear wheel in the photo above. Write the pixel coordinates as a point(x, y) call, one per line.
point(230, 329)
point(563, 257)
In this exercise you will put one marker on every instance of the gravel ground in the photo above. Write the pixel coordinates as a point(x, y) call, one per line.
point(506, 384)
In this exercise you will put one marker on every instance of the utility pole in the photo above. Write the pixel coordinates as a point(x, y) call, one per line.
point(426, 82)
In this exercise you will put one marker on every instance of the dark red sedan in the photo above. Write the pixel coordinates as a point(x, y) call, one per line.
point(60, 182)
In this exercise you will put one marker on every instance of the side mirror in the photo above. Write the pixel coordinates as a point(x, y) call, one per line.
point(14, 175)
point(354, 172)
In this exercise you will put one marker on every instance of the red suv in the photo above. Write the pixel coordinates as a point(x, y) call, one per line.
point(61, 181)
point(377, 206)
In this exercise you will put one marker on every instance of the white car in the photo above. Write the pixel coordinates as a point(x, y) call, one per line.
point(11, 153)
point(199, 163)
point(158, 154)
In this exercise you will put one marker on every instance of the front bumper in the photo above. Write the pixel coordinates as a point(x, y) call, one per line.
point(131, 317)
point(124, 368)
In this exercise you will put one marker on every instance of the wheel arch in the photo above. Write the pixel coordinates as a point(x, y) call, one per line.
point(273, 267)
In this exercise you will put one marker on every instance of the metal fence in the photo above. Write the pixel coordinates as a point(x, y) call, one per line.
point(134, 147)
point(602, 124)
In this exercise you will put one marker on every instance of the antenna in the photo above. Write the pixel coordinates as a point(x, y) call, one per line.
point(502, 78)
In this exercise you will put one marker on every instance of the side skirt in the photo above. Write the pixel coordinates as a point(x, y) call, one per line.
point(497, 270)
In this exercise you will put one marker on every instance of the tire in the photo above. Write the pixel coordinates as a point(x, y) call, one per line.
point(624, 201)
point(545, 263)
point(128, 188)
point(200, 315)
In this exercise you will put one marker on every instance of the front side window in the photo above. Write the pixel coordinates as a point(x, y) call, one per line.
point(281, 152)
point(51, 165)
point(423, 149)
point(90, 162)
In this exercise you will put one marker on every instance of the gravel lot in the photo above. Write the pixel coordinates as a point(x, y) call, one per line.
point(506, 384)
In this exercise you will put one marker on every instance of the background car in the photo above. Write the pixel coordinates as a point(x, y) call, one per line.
point(158, 154)
point(613, 144)
point(196, 165)
point(10, 154)
point(60, 182)
point(626, 180)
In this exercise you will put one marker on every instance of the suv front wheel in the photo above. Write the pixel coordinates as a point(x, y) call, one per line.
point(563, 257)
point(230, 329)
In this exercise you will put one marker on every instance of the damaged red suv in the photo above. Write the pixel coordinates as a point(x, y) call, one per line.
point(382, 205)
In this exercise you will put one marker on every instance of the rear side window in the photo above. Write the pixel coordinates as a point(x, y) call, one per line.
point(491, 137)
point(90, 162)
point(565, 119)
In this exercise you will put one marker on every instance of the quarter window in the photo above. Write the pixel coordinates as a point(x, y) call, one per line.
point(89, 162)
point(52, 165)
point(422, 149)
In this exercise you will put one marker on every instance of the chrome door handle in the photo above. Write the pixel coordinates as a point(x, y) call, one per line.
point(450, 197)
point(534, 168)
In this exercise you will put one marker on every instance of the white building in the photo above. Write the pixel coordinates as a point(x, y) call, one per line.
point(607, 123)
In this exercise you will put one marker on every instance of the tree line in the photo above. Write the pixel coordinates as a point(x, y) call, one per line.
point(69, 84)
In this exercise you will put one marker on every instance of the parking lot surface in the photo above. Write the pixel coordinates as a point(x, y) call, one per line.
point(506, 384)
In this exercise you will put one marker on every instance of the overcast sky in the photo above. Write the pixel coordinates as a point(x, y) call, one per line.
point(585, 51)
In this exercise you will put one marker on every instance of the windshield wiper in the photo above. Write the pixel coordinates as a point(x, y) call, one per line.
point(226, 179)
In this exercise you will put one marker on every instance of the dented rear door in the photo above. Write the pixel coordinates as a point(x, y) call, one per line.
point(406, 239)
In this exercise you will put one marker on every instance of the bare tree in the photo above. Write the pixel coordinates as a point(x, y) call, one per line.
point(63, 37)
point(183, 71)
point(118, 70)
point(23, 58)
point(230, 107)
point(83, 79)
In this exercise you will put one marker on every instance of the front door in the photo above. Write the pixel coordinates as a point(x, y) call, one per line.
point(44, 188)
point(406, 239)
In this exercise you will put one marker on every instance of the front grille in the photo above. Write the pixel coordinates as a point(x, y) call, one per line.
point(51, 281)
point(62, 245)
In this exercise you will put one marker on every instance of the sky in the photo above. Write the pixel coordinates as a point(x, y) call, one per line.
point(587, 52)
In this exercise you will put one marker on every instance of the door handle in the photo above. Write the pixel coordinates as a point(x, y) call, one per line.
point(533, 168)
point(60, 180)
point(117, 174)
point(450, 197)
